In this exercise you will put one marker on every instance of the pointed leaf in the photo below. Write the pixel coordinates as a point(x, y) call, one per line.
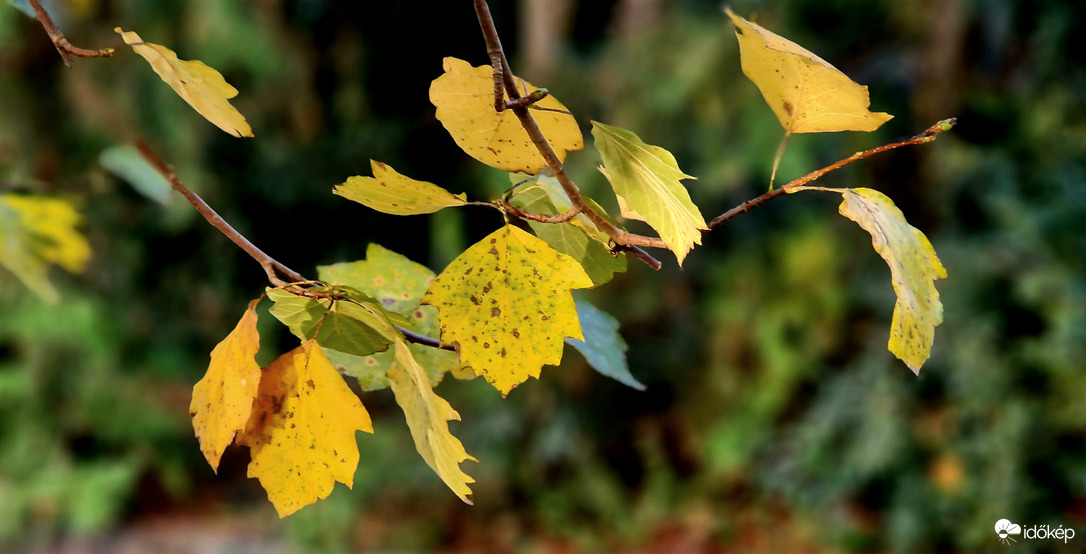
point(398, 283)
point(302, 430)
point(646, 181)
point(602, 347)
point(36, 232)
point(389, 192)
point(342, 325)
point(199, 85)
point(914, 267)
point(223, 400)
point(428, 415)
point(464, 97)
point(807, 94)
point(578, 238)
point(506, 305)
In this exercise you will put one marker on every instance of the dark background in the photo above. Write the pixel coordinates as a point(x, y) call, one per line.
point(774, 421)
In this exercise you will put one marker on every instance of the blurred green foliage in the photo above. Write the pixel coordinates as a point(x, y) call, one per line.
point(774, 418)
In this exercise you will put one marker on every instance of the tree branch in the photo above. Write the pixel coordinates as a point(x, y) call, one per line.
point(500, 64)
point(269, 264)
point(798, 184)
point(65, 48)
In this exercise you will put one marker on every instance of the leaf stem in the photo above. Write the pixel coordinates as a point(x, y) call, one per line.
point(270, 265)
point(799, 184)
point(65, 48)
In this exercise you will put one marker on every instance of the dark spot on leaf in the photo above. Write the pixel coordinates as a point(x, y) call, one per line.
point(495, 312)
point(788, 108)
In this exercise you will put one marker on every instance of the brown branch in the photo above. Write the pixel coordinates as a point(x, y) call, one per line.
point(796, 185)
point(500, 65)
point(270, 265)
point(65, 48)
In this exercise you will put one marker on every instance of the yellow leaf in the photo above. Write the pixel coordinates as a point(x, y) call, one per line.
point(36, 232)
point(464, 97)
point(428, 415)
point(389, 192)
point(646, 182)
point(199, 85)
point(223, 400)
point(302, 429)
point(506, 305)
point(807, 94)
point(914, 267)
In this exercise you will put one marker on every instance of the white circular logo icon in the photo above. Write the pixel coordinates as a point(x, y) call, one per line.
point(1004, 528)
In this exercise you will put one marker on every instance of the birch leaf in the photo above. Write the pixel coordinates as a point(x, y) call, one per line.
point(37, 232)
point(201, 86)
point(807, 94)
point(302, 429)
point(646, 180)
point(223, 400)
point(914, 267)
point(427, 416)
point(603, 347)
point(398, 283)
point(505, 304)
point(355, 328)
point(389, 192)
point(464, 97)
point(578, 237)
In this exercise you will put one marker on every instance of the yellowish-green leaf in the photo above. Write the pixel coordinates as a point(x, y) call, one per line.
point(223, 400)
point(358, 328)
point(914, 267)
point(807, 94)
point(505, 303)
point(302, 429)
point(201, 86)
point(389, 192)
point(37, 232)
point(578, 237)
point(646, 181)
point(427, 416)
point(464, 97)
point(398, 283)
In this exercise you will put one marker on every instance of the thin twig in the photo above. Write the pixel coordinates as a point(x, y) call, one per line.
point(542, 218)
point(798, 184)
point(65, 48)
point(500, 64)
point(638, 253)
point(299, 284)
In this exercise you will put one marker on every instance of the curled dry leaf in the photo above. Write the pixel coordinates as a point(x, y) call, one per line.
point(201, 86)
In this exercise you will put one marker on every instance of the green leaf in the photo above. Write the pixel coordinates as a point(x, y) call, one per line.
point(428, 417)
point(398, 284)
point(579, 238)
point(603, 347)
point(341, 325)
point(914, 267)
point(127, 163)
point(389, 192)
point(646, 181)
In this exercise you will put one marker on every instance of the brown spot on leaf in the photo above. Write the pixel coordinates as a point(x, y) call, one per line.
point(788, 107)
point(495, 312)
